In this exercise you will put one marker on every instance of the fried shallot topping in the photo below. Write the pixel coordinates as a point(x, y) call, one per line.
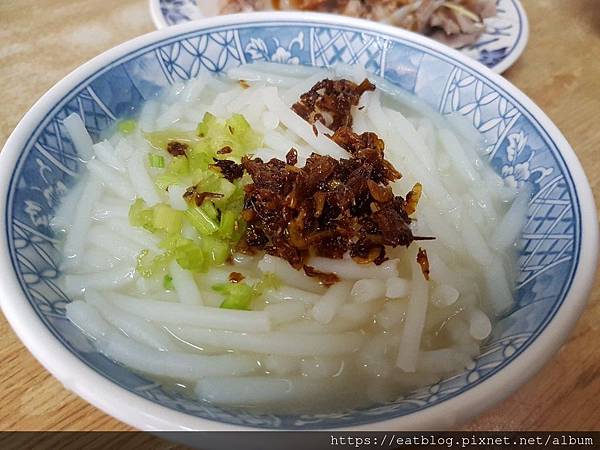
point(177, 148)
point(236, 277)
point(325, 278)
point(423, 262)
point(328, 207)
point(330, 102)
point(192, 195)
point(229, 169)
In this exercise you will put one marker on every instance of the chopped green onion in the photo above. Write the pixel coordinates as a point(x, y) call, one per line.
point(201, 221)
point(269, 282)
point(237, 295)
point(127, 126)
point(227, 225)
point(215, 250)
point(141, 216)
point(209, 208)
point(148, 265)
point(166, 218)
point(190, 257)
point(157, 161)
point(168, 283)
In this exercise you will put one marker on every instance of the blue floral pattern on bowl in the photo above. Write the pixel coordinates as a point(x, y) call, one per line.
point(498, 47)
point(518, 147)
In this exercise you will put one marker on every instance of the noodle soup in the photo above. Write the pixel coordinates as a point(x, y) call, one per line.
point(191, 262)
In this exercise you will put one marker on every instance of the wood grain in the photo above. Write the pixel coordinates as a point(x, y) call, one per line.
point(43, 41)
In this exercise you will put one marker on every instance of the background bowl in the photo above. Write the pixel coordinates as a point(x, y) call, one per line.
point(558, 252)
point(501, 44)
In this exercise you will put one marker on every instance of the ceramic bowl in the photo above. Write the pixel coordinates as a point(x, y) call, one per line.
point(501, 44)
point(558, 249)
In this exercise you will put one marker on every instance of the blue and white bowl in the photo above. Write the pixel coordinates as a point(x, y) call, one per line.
point(38, 166)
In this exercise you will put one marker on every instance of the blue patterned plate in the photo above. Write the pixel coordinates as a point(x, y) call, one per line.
point(38, 166)
point(498, 48)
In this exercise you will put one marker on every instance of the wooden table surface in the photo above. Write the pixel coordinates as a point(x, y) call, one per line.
point(559, 70)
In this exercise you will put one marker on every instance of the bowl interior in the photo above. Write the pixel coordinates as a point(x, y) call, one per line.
point(517, 145)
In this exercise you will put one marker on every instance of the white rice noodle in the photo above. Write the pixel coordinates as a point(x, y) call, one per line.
point(97, 259)
point(104, 211)
point(87, 318)
point(475, 243)
point(141, 181)
point(106, 153)
point(408, 132)
point(194, 88)
point(326, 308)
point(185, 285)
point(386, 129)
point(350, 316)
point(147, 118)
point(291, 95)
point(197, 315)
point(133, 326)
point(498, 291)
point(213, 276)
point(415, 321)
point(347, 269)
point(275, 342)
point(169, 116)
point(455, 150)
point(444, 295)
point(288, 275)
point(226, 96)
point(440, 227)
point(285, 312)
point(269, 121)
point(322, 144)
point(445, 360)
point(80, 137)
point(116, 245)
point(366, 290)
point(322, 367)
point(281, 365)
point(508, 230)
point(179, 366)
point(397, 287)
point(111, 179)
point(116, 277)
point(77, 236)
point(124, 151)
point(287, 294)
point(268, 390)
point(140, 236)
point(480, 326)
point(392, 314)
point(64, 214)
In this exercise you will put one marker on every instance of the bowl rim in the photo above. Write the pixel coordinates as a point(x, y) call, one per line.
point(144, 414)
